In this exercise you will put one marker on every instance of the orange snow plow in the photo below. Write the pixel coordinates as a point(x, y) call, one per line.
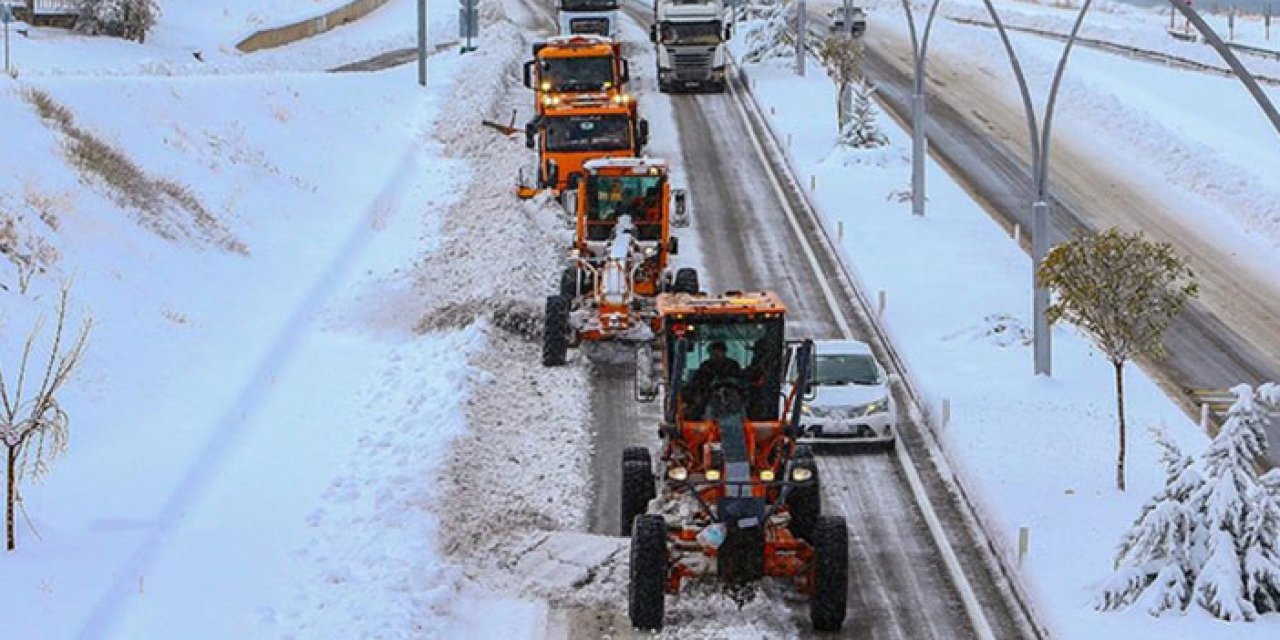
point(577, 69)
point(732, 499)
point(566, 136)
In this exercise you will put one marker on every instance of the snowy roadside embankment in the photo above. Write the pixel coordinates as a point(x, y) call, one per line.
point(1034, 452)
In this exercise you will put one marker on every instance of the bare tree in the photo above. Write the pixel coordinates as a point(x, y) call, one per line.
point(34, 427)
point(1123, 290)
point(842, 56)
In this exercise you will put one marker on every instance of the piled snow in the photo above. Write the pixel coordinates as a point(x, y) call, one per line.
point(1033, 452)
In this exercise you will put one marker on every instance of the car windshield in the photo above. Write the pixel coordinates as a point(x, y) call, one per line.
point(691, 32)
point(638, 196)
point(588, 133)
point(588, 5)
point(846, 369)
point(576, 74)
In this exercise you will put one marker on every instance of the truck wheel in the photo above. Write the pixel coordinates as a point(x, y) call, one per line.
point(686, 281)
point(637, 491)
point(805, 502)
point(555, 332)
point(646, 591)
point(831, 575)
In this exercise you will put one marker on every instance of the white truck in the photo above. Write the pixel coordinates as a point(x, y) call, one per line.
point(595, 17)
point(690, 37)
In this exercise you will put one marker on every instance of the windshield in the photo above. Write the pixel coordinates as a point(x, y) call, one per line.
point(588, 133)
point(576, 74)
point(638, 196)
point(846, 369)
point(691, 32)
point(588, 5)
point(753, 350)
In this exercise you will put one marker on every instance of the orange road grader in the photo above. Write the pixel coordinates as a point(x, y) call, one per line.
point(620, 258)
point(568, 135)
point(577, 68)
point(734, 499)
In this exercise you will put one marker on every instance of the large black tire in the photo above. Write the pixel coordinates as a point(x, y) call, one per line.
point(646, 592)
point(637, 491)
point(831, 576)
point(640, 454)
point(555, 332)
point(686, 281)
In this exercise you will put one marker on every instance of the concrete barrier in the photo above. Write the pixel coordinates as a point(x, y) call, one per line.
point(303, 29)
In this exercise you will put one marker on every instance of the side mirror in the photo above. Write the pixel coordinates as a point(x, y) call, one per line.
point(673, 245)
point(530, 132)
point(680, 217)
point(728, 31)
point(653, 30)
point(528, 75)
point(810, 391)
point(553, 174)
point(642, 132)
point(569, 200)
point(626, 72)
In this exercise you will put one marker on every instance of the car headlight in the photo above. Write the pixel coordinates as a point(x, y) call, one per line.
point(801, 474)
point(713, 474)
point(766, 475)
point(872, 408)
point(679, 474)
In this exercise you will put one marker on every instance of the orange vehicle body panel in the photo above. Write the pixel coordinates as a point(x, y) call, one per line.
point(572, 48)
point(648, 281)
point(570, 162)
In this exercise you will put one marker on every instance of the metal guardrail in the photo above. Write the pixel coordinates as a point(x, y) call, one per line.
point(1255, 51)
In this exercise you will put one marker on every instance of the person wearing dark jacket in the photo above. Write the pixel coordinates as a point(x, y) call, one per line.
point(717, 366)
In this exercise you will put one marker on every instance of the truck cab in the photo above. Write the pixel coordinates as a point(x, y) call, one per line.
point(581, 68)
point(857, 19)
point(568, 135)
point(690, 37)
point(599, 17)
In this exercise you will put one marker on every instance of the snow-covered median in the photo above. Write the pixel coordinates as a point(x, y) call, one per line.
point(1039, 452)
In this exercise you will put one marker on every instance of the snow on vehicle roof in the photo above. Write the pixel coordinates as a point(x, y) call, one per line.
point(580, 38)
point(841, 347)
point(643, 163)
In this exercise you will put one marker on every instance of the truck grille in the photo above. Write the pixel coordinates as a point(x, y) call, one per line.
point(598, 26)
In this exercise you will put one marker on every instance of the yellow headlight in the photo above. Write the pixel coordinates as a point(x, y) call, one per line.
point(679, 474)
point(546, 86)
point(713, 474)
point(766, 475)
point(800, 474)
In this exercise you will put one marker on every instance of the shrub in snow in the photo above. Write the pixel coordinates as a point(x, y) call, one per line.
point(33, 424)
point(128, 19)
point(1123, 290)
point(1212, 536)
point(1158, 557)
point(861, 130)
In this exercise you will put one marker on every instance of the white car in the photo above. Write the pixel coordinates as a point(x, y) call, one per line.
point(849, 397)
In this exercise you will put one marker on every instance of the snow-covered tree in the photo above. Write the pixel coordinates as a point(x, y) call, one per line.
point(1212, 536)
point(773, 35)
point(861, 131)
point(128, 19)
point(1157, 559)
point(1241, 516)
point(842, 56)
point(1123, 290)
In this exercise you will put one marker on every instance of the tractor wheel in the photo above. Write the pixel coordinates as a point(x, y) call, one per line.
point(686, 281)
point(640, 454)
point(569, 282)
point(805, 501)
point(831, 576)
point(637, 491)
point(646, 593)
point(555, 332)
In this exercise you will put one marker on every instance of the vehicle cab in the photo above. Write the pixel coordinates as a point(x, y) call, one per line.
point(577, 69)
point(849, 396)
point(569, 135)
point(599, 17)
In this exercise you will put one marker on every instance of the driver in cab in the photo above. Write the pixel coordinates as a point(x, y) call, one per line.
point(717, 366)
